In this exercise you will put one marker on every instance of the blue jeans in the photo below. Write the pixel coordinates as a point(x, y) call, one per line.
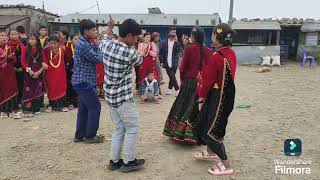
point(126, 126)
point(89, 108)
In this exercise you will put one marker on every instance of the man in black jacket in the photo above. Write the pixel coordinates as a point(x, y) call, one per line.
point(170, 53)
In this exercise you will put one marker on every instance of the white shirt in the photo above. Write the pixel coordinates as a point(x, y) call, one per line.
point(170, 49)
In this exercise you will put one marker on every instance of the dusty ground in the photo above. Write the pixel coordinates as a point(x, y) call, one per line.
point(285, 104)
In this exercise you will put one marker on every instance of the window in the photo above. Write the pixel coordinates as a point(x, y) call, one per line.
point(175, 21)
point(213, 22)
point(97, 20)
point(311, 39)
point(73, 21)
point(78, 20)
point(103, 21)
point(256, 37)
point(141, 21)
point(58, 20)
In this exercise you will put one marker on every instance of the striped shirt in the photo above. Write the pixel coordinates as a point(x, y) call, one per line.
point(118, 60)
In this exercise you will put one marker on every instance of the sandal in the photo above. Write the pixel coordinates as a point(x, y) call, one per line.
point(220, 170)
point(204, 155)
point(49, 109)
point(17, 115)
point(4, 115)
point(11, 115)
point(71, 107)
point(65, 109)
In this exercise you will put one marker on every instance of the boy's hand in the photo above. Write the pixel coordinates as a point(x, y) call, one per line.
point(111, 23)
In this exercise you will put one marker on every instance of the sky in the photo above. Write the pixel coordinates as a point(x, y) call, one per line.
point(242, 8)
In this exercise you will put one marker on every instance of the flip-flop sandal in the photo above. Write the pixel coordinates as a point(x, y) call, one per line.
point(4, 115)
point(204, 155)
point(17, 115)
point(220, 170)
point(65, 109)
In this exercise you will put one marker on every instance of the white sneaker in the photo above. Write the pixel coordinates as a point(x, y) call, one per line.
point(4, 115)
point(169, 92)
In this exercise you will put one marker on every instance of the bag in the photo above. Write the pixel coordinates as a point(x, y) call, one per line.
point(266, 61)
point(276, 61)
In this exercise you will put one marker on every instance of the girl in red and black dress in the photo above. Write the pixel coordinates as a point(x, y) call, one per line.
point(53, 58)
point(216, 91)
point(16, 47)
point(184, 111)
point(34, 87)
point(8, 83)
point(71, 97)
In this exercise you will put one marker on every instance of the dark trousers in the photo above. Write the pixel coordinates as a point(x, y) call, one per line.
point(173, 83)
point(88, 117)
point(20, 82)
point(218, 149)
point(136, 69)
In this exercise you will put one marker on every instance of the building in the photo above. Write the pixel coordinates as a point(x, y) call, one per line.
point(154, 21)
point(31, 18)
point(310, 39)
point(256, 38)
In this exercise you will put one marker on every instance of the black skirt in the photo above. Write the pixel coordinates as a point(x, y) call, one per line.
point(184, 111)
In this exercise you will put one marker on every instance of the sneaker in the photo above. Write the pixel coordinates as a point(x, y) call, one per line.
point(132, 165)
point(4, 115)
point(114, 166)
point(37, 113)
point(95, 140)
point(17, 115)
point(77, 140)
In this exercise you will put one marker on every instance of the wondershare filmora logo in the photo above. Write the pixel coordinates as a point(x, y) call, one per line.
point(292, 147)
point(293, 164)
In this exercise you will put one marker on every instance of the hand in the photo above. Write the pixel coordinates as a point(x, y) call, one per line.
point(162, 65)
point(45, 66)
point(20, 70)
point(31, 73)
point(36, 75)
point(200, 106)
point(11, 56)
point(111, 23)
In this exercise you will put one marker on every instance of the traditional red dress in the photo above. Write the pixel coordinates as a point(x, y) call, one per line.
point(8, 82)
point(149, 63)
point(55, 74)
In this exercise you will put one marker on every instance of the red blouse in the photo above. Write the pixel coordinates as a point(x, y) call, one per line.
point(213, 72)
point(190, 64)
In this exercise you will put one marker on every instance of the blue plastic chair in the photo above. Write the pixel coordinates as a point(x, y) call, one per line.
point(306, 57)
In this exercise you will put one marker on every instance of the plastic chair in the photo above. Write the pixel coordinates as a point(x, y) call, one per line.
point(306, 57)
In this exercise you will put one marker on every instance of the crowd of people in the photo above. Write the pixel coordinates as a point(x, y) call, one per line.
point(75, 71)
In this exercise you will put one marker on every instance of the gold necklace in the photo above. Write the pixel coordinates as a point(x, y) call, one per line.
point(55, 66)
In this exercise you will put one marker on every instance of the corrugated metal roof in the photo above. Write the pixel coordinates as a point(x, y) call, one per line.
point(8, 20)
point(310, 27)
point(255, 25)
point(147, 19)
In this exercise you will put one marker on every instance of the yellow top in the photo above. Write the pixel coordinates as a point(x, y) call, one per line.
point(42, 41)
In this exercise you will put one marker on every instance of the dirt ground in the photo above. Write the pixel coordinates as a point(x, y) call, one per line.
point(285, 103)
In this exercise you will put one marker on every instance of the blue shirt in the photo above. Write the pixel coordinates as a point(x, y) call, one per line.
point(86, 56)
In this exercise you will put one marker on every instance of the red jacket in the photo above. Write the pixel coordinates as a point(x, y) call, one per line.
point(190, 64)
point(213, 72)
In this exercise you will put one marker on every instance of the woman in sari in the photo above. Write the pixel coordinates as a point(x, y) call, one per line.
point(148, 51)
point(178, 126)
point(34, 87)
point(216, 91)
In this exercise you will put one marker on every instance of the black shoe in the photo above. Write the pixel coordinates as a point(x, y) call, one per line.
point(95, 140)
point(77, 140)
point(132, 165)
point(114, 166)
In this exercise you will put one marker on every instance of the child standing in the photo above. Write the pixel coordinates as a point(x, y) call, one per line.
point(16, 47)
point(34, 87)
point(53, 57)
point(43, 32)
point(9, 91)
point(149, 89)
point(71, 97)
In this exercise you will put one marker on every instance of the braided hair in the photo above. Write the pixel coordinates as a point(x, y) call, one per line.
point(198, 36)
point(29, 52)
